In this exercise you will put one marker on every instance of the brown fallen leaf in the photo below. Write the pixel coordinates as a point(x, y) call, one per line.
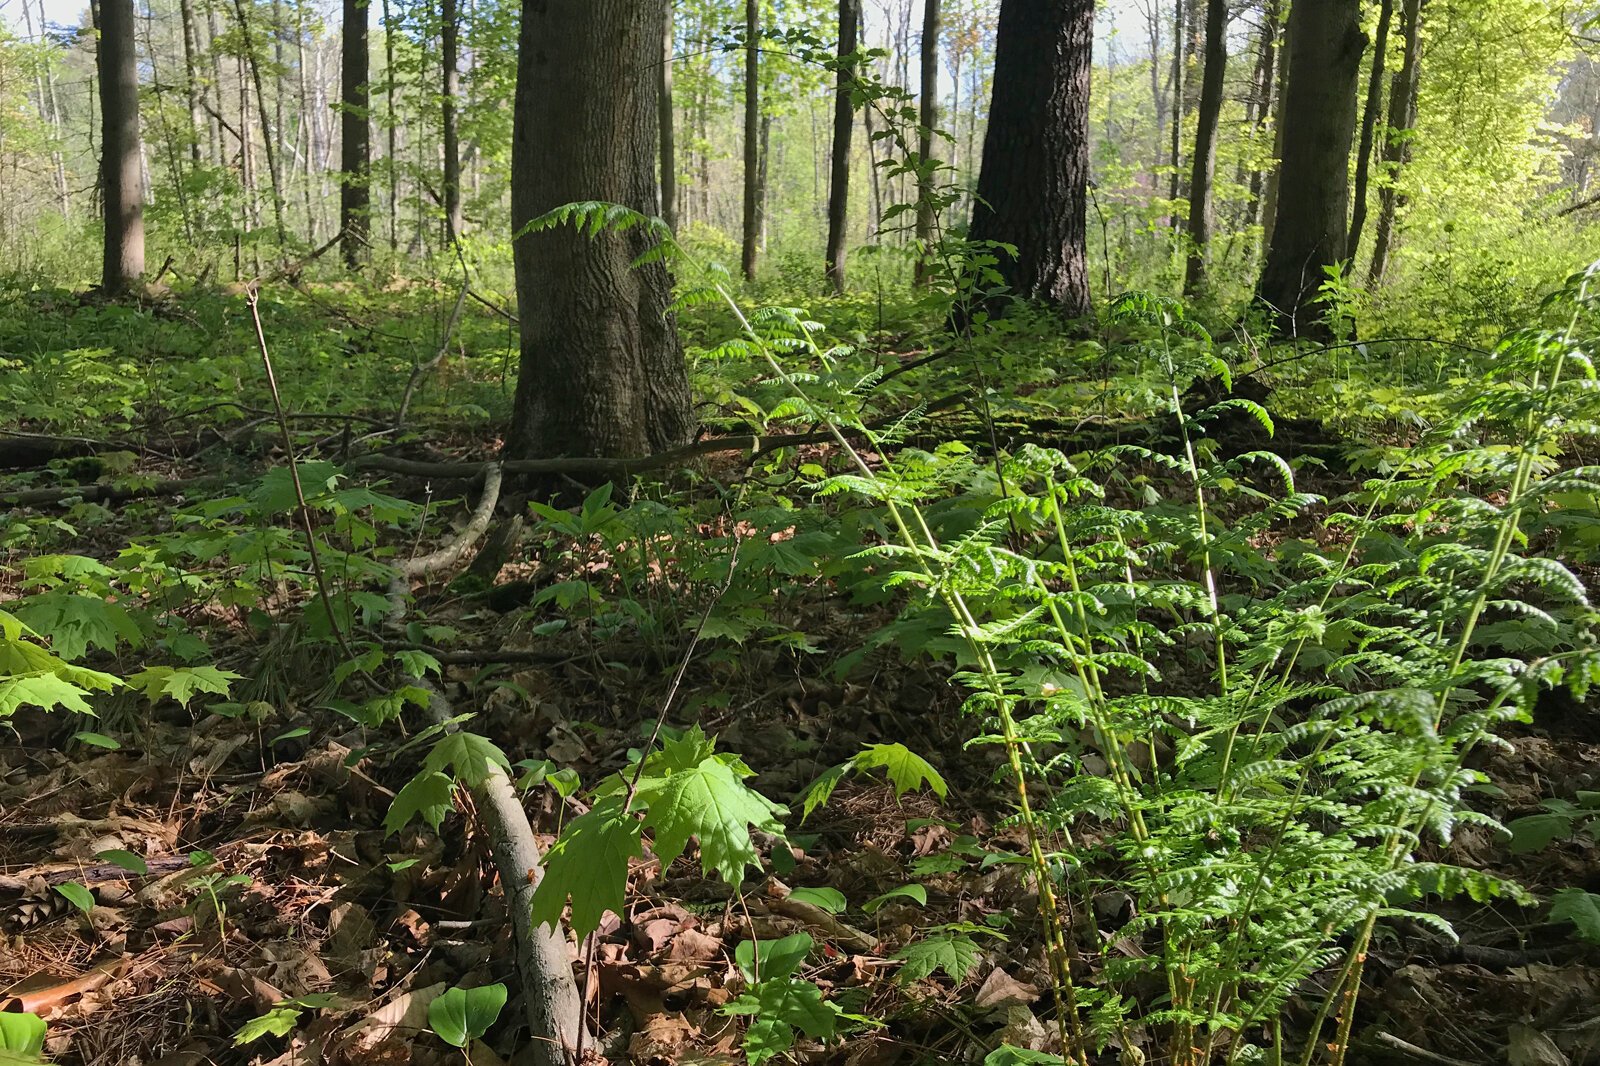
point(53, 996)
point(395, 1023)
point(1000, 989)
point(1530, 1047)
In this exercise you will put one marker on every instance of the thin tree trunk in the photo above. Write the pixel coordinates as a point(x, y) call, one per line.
point(669, 147)
point(761, 183)
point(1266, 69)
point(269, 136)
point(308, 126)
point(219, 149)
point(752, 136)
point(1397, 141)
point(1203, 174)
point(123, 261)
point(1269, 192)
point(392, 159)
point(926, 121)
point(1369, 125)
point(844, 120)
point(191, 81)
point(450, 89)
point(1158, 99)
point(1175, 150)
point(355, 194)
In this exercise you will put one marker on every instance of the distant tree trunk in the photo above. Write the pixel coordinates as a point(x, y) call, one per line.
point(1032, 188)
point(844, 121)
point(1269, 191)
point(1369, 125)
point(355, 192)
point(667, 122)
point(761, 184)
point(269, 136)
point(1158, 99)
point(391, 127)
point(1319, 116)
point(1266, 100)
point(752, 136)
point(191, 81)
point(1175, 148)
point(926, 121)
point(1397, 141)
point(123, 263)
point(602, 369)
point(219, 151)
point(450, 89)
point(1204, 172)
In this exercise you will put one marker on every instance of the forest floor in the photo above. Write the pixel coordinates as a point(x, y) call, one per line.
point(270, 887)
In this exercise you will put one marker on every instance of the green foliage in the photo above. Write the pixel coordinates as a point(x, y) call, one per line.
point(1580, 908)
point(463, 1014)
point(21, 1036)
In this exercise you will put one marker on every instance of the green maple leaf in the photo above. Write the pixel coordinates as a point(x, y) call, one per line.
point(280, 1021)
point(427, 794)
point(907, 770)
point(44, 690)
point(780, 1007)
point(468, 756)
point(182, 683)
point(955, 955)
point(589, 864)
point(688, 790)
point(1580, 908)
point(76, 622)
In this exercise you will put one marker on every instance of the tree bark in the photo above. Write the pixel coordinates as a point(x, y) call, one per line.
point(667, 122)
point(1032, 187)
point(1267, 64)
point(450, 89)
point(1319, 114)
point(123, 261)
point(191, 81)
point(1175, 148)
point(1202, 176)
point(1369, 125)
point(1397, 141)
point(269, 136)
point(355, 190)
point(844, 121)
point(391, 128)
point(752, 136)
point(926, 121)
point(602, 371)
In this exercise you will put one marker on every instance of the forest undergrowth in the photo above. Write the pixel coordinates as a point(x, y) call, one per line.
point(994, 696)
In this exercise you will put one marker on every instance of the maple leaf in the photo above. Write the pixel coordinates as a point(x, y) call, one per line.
point(954, 954)
point(907, 770)
point(468, 755)
point(182, 683)
point(77, 622)
point(589, 864)
point(427, 794)
point(44, 690)
point(688, 790)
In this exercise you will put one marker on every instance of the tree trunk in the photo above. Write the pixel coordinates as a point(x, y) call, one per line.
point(123, 263)
point(391, 129)
point(450, 88)
point(269, 136)
point(191, 82)
point(355, 193)
point(1203, 174)
point(752, 136)
point(844, 121)
point(1267, 68)
point(219, 142)
point(1175, 148)
point(1032, 187)
point(1369, 125)
point(1397, 141)
point(1319, 115)
point(1158, 99)
point(926, 121)
point(602, 370)
point(669, 141)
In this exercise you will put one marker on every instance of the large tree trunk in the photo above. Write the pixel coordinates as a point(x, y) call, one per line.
point(752, 136)
point(1369, 125)
point(1397, 143)
point(123, 263)
point(1319, 115)
point(450, 88)
point(844, 120)
point(1032, 188)
point(602, 369)
point(355, 191)
point(1204, 172)
point(669, 140)
point(926, 121)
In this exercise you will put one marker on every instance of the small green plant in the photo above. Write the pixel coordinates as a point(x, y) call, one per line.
point(21, 1038)
point(461, 1015)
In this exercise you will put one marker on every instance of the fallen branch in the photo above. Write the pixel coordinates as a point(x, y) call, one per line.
point(105, 493)
point(1390, 1042)
point(549, 994)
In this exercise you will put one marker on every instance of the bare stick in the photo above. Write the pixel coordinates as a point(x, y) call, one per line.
point(421, 369)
